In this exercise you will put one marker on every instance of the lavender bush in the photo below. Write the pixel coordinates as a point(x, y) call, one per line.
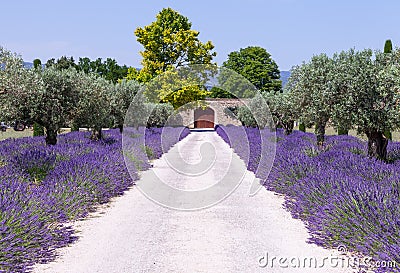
point(343, 196)
point(42, 187)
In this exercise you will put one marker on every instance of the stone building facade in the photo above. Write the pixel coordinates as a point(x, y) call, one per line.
point(217, 112)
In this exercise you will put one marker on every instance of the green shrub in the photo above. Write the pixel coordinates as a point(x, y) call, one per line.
point(388, 134)
point(149, 152)
point(255, 113)
point(342, 131)
point(38, 130)
point(302, 127)
point(160, 112)
point(246, 117)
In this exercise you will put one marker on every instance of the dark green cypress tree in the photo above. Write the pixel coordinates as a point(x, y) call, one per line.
point(38, 130)
point(37, 63)
point(388, 46)
point(388, 49)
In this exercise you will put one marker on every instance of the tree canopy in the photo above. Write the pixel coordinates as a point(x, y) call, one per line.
point(16, 86)
point(123, 95)
point(312, 90)
point(108, 69)
point(169, 42)
point(56, 101)
point(369, 88)
point(353, 89)
point(256, 65)
point(53, 97)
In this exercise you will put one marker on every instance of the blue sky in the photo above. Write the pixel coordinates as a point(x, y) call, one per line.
point(291, 30)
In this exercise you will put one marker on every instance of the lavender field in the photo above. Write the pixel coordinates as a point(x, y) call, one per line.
point(43, 188)
point(343, 196)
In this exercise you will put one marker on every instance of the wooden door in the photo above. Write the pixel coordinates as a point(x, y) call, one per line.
point(204, 118)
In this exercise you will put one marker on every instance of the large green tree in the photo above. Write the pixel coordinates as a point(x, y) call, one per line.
point(170, 44)
point(108, 69)
point(256, 65)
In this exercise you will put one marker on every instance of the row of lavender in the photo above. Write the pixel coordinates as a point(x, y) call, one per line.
point(343, 196)
point(42, 187)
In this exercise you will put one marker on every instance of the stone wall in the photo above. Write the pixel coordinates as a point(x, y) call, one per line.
point(219, 106)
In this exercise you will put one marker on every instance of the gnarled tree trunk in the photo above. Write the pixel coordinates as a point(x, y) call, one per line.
point(320, 132)
point(377, 144)
point(288, 127)
point(97, 134)
point(51, 136)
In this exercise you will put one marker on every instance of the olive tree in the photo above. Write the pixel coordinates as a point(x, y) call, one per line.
point(94, 107)
point(17, 87)
point(284, 110)
point(369, 87)
point(158, 114)
point(55, 103)
point(122, 96)
point(255, 113)
point(312, 89)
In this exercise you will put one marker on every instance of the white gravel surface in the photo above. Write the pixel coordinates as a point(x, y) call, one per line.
point(135, 234)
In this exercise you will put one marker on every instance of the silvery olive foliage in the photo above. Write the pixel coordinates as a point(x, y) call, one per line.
point(311, 88)
point(123, 95)
point(353, 89)
point(158, 114)
point(283, 110)
point(55, 103)
point(368, 85)
point(17, 87)
point(94, 108)
point(53, 97)
point(255, 113)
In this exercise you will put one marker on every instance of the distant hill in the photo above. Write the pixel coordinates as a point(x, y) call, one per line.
point(28, 65)
point(284, 77)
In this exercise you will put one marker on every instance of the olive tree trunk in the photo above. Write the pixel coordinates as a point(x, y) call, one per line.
point(320, 132)
point(288, 127)
point(377, 144)
point(121, 128)
point(97, 134)
point(51, 136)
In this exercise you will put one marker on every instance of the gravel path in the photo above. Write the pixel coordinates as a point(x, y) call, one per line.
point(135, 234)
